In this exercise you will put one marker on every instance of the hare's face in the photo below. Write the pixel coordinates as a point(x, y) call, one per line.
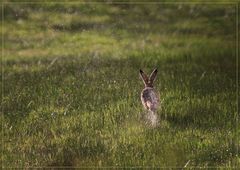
point(148, 82)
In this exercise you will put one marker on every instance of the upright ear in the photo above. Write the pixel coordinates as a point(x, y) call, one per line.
point(153, 76)
point(144, 77)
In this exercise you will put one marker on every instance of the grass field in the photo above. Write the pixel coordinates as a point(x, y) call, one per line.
point(71, 85)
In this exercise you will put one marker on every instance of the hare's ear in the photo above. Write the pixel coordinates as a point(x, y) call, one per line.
point(153, 76)
point(144, 77)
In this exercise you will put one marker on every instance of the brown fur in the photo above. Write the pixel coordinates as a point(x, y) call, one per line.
point(149, 97)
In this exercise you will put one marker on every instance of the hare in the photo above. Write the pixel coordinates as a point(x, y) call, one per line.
point(149, 97)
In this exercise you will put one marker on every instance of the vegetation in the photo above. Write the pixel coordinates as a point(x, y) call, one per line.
point(71, 85)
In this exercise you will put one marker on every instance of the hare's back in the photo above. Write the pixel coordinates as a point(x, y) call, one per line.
point(149, 95)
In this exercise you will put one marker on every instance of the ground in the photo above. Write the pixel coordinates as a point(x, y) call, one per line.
point(71, 86)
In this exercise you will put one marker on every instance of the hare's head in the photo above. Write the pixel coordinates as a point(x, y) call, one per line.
point(148, 81)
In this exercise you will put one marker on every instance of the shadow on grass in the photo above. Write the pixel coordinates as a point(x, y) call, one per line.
point(203, 118)
point(78, 26)
point(135, 18)
point(218, 154)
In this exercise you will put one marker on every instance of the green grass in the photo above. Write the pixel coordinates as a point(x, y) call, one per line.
point(71, 86)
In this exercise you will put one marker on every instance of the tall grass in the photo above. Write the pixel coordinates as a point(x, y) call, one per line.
point(71, 89)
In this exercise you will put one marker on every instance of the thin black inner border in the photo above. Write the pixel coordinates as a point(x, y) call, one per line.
point(132, 3)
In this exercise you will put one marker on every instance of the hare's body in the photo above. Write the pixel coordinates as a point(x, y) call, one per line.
point(149, 97)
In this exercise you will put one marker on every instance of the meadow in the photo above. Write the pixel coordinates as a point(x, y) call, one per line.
point(71, 86)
